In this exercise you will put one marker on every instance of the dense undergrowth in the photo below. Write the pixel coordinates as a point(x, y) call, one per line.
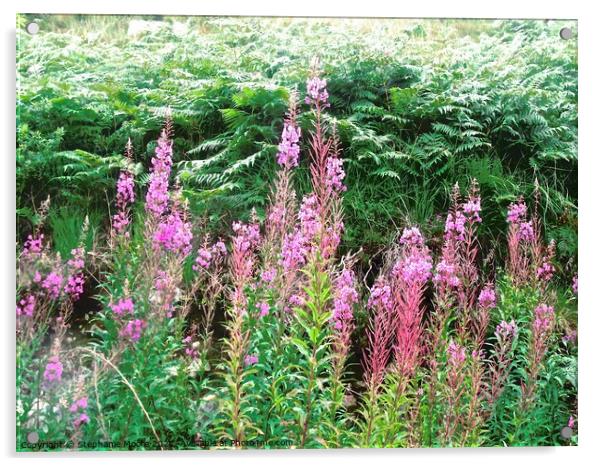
point(377, 252)
point(419, 105)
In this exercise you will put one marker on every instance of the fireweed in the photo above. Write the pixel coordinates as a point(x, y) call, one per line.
point(452, 353)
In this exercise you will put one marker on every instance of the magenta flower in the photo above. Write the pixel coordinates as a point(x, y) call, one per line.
point(203, 259)
point(125, 197)
point(250, 359)
point(79, 404)
point(543, 319)
point(247, 236)
point(525, 232)
point(166, 292)
point(174, 234)
point(570, 337)
point(294, 251)
point(545, 272)
point(506, 330)
point(133, 329)
point(380, 295)
point(415, 267)
point(123, 306)
point(457, 354)
point(487, 299)
point(264, 309)
point(455, 226)
point(26, 306)
point(446, 275)
point(76, 262)
point(517, 212)
point(309, 217)
point(575, 284)
point(316, 91)
point(54, 370)
point(53, 284)
point(571, 422)
point(296, 300)
point(81, 419)
point(33, 246)
point(157, 196)
point(75, 286)
point(335, 174)
point(411, 237)
point(288, 149)
point(472, 209)
point(345, 296)
point(190, 347)
point(268, 276)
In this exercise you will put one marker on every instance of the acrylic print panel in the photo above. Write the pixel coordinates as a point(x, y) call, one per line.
point(283, 233)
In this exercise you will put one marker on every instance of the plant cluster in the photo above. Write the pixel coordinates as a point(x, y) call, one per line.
point(271, 336)
point(418, 105)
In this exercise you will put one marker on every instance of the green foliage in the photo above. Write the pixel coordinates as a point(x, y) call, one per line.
point(417, 106)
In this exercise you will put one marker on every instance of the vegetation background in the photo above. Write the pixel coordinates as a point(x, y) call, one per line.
point(418, 105)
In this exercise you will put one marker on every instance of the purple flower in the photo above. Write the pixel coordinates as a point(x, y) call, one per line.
point(345, 297)
point(457, 354)
point(123, 306)
point(570, 337)
point(157, 196)
point(455, 226)
point(446, 274)
point(81, 419)
point(309, 217)
point(411, 237)
point(517, 212)
point(526, 232)
point(487, 299)
point(174, 234)
point(472, 208)
point(268, 276)
point(190, 349)
point(506, 330)
point(296, 300)
point(247, 236)
point(79, 405)
point(316, 91)
point(250, 359)
point(203, 259)
point(543, 319)
point(288, 149)
point(53, 284)
point(33, 246)
point(133, 329)
point(335, 174)
point(294, 251)
point(571, 422)
point(545, 272)
point(76, 262)
point(26, 306)
point(75, 286)
point(575, 284)
point(125, 197)
point(380, 295)
point(264, 309)
point(54, 370)
point(415, 267)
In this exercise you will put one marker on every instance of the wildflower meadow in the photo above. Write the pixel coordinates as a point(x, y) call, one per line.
point(169, 322)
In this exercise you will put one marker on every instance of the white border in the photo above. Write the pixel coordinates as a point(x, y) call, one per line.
point(590, 196)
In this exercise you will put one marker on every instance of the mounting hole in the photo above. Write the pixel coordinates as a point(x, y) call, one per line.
point(566, 432)
point(32, 28)
point(566, 33)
